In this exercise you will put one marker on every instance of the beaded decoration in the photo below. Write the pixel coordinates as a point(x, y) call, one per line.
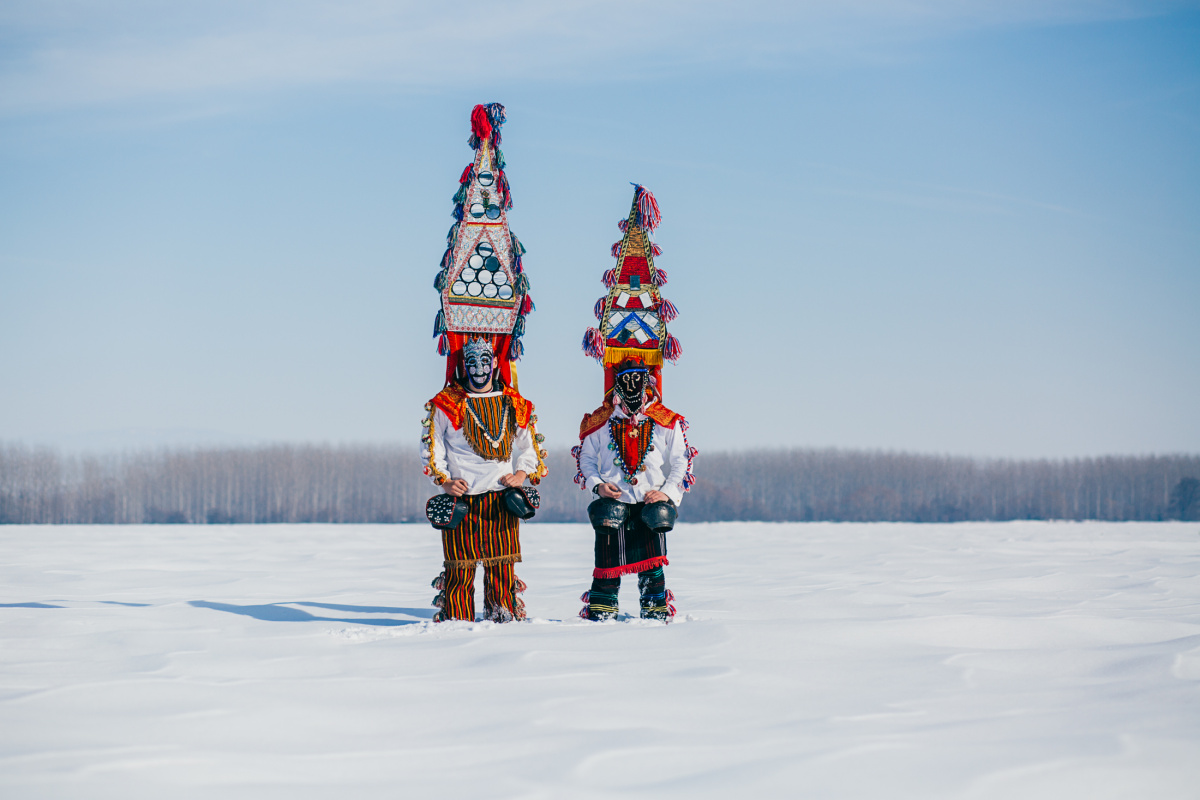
point(489, 427)
point(630, 442)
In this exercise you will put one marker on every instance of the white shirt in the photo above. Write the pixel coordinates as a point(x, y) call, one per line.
point(663, 469)
point(452, 455)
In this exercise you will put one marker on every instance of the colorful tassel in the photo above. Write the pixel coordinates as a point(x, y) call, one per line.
point(518, 265)
point(460, 195)
point(516, 350)
point(452, 236)
point(623, 226)
point(648, 214)
point(505, 195)
point(593, 343)
point(599, 309)
point(468, 173)
point(500, 162)
point(655, 250)
point(481, 124)
point(672, 350)
point(522, 284)
point(517, 247)
point(526, 303)
point(660, 276)
point(439, 280)
point(519, 327)
point(457, 213)
point(610, 278)
point(496, 114)
point(439, 324)
point(444, 345)
point(616, 249)
point(667, 311)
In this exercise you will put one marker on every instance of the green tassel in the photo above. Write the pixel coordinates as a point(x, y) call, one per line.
point(439, 281)
point(522, 284)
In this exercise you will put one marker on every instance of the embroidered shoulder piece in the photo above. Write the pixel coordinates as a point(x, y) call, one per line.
point(595, 421)
point(450, 401)
point(663, 415)
point(521, 407)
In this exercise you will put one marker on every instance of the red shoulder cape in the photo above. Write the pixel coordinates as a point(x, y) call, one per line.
point(597, 419)
point(450, 400)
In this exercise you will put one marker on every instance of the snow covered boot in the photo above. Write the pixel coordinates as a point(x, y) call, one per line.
point(601, 600)
point(654, 596)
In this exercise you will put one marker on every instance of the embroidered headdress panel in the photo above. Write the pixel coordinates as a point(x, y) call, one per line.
point(482, 282)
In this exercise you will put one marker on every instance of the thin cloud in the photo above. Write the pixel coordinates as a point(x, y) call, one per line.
point(74, 53)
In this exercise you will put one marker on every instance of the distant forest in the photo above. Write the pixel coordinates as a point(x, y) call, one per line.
point(384, 484)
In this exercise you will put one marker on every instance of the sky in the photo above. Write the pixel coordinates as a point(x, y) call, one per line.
point(955, 227)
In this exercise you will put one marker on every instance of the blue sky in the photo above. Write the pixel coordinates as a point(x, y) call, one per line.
point(933, 226)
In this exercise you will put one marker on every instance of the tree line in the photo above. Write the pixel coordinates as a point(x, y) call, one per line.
point(384, 484)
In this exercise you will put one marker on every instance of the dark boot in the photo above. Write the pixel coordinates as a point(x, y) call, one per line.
point(601, 600)
point(654, 597)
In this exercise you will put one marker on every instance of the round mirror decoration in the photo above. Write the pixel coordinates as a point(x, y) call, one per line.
point(475, 261)
point(492, 264)
point(474, 289)
point(477, 210)
point(486, 178)
point(468, 275)
point(484, 249)
point(493, 212)
point(505, 292)
point(489, 290)
point(459, 287)
point(483, 276)
point(500, 278)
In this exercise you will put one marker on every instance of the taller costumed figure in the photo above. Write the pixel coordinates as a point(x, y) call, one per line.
point(480, 442)
point(633, 452)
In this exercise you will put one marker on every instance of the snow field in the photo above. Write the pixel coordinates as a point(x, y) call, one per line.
point(982, 660)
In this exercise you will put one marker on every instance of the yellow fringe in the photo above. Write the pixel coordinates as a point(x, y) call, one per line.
point(615, 355)
point(486, 562)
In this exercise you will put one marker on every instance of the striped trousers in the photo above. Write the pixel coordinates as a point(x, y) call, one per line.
point(488, 535)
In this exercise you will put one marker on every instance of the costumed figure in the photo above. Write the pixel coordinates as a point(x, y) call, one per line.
point(633, 453)
point(480, 442)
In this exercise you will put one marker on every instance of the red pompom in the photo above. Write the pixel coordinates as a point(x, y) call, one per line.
point(481, 125)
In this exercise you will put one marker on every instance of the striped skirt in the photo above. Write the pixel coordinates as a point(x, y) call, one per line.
point(488, 535)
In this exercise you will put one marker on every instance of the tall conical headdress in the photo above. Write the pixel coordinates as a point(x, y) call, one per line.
point(633, 316)
point(484, 289)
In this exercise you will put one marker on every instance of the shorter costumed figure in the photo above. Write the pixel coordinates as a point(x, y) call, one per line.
point(480, 442)
point(634, 454)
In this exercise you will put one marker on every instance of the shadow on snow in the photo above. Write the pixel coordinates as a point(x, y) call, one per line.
point(283, 612)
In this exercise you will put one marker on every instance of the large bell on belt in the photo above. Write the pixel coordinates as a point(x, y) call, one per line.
point(605, 512)
point(659, 517)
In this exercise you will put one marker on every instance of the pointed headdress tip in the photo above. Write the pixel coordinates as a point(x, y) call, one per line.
point(645, 207)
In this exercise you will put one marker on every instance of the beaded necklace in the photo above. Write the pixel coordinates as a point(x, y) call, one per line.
point(490, 427)
point(630, 441)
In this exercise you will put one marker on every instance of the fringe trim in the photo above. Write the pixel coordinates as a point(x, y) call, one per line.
point(631, 569)
point(485, 562)
point(652, 356)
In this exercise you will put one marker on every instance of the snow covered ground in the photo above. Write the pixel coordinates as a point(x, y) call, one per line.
point(1007, 660)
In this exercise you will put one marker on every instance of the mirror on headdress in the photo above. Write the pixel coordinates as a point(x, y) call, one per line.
point(505, 292)
point(493, 212)
point(492, 264)
point(459, 287)
point(477, 210)
point(475, 261)
point(489, 290)
point(468, 274)
point(474, 289)
point(483, 249)
point(486, 179)
point(500, 278)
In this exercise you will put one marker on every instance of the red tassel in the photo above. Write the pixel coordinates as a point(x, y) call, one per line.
point(648, 209)
point(593, 343)
point(599, 309)
point(616, 249)
point(672, 350)
point(466, 176)
point(481, 126)
point(623, 224)
point(660, 275)
point(667, 311)
point(526, 305)
point(610, 278)
point(443, 345)
point(655, 250)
